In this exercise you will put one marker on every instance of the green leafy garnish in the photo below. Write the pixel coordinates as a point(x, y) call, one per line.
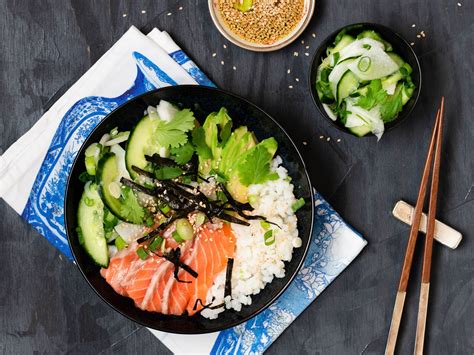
point(375, 95)
point(165, 209)
point(173, 133)
point(323, 87)
point(199, 141)
point(120, 243)
point(85, 177)
point(168, 172)
point(255, 166)
point(149, 221)
point(130, 209)
point(142, 253)
point(269, 238)
point(182, 154)
point(298, 204)
point(390, 108)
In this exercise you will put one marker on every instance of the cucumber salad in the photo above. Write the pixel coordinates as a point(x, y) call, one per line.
point(363, 83)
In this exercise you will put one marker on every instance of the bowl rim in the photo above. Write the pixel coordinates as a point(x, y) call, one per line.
point(292, 36)
point(272, 299)
point(314, 62)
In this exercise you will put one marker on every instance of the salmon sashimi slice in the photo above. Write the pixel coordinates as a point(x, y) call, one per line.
point(151, 283)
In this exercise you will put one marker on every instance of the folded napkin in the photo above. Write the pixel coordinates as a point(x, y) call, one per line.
point(33, 181)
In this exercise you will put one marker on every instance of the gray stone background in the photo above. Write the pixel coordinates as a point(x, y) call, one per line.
point(46, 306)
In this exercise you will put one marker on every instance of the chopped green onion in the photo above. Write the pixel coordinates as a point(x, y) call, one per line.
point(253, 200)
point(364, 64)
point(177, 237)
point(90, 165)
point(200, 219)
point(269, 238)
point(165, 209)
point(89, 201)
point(155, 244)
point(265, 225)
point(298, 204)
point(149, 221)
point(367, 46)
point(114, 132)
point(93, 150)
point(120, 243)
point(142, 254)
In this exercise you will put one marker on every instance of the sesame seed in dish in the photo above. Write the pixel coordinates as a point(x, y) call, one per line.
point(265, 22)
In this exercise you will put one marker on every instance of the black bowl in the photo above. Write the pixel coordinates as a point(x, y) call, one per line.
point(400, 46)
point(201, 100)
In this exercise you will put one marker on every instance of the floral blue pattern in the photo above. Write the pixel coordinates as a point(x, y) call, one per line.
point(182, 59)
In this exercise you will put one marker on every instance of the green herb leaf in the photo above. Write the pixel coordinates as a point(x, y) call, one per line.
point(390, 108)
point(182, 154)
point(85, 177)
point(255, 165)
point(375, 95)
point(168, 172)
point(142, 253)
point(130, 208)
point(173, 133)
point(298, 204)
point(120, 243)
point(269, 238)
point(199, 141)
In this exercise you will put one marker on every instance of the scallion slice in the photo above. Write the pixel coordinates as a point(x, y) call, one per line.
point(364, 63)
point(298, 204)
point(120, 243)
point(269, 238)
point(142, 254)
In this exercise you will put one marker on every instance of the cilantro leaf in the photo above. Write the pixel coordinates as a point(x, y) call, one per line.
point(199, 141)
point(182, 154)
point(173, 133)
point(168, 172)
point(130, 208)
point(255, 165)
point(390, 108)
point(375, 95)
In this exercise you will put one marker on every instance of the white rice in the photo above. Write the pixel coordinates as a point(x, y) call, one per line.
point(256, 264)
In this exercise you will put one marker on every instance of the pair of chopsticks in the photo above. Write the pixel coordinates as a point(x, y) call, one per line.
point(434, 150)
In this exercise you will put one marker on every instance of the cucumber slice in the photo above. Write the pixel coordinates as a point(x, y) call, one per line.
point(406, 94)
point(344, 42)
point(360, 131)
point(90, 217)
point(139, 144)
point(346, 86)
point(375, 36)
point(337, 73)
point(396, 58)
point(108, 176)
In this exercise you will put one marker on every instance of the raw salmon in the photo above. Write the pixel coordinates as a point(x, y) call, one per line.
point(151, 282)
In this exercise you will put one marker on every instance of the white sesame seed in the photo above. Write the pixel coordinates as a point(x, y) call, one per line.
point(307, 47)
point(214, 54)
point(288, 71)
point(314, 35)
point(222, 62)
point(302, 42)
point(143, 12)
point(290, 87)
point(124, 15)
point(412, 43)
point(295, 54)
point(306, 54)
point(224, 46)
point(459, 4)
point(328, 139)
point(297, 79)
point(168, 14)
point(321, 137)
point(418, 36)
point(180, 8)
point(338, 140)
point(234, 67)
point(413, 25)
point(305, 143)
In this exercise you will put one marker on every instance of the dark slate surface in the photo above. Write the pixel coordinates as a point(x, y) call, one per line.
point(46, 306)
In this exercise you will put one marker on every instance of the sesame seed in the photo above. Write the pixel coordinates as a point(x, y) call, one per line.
point(297, 79)
point(214, 54)
point(288, 71)
point(224, 46)
point(290, 86)
point(305, 143)
point(413, 25)
point(338, 140)
point(307, 47)
point(306, 54)
point(295, 54)
point(234, 67)
point(418, 36)
point(302, 42)
point(222, 62)
point(124, 15)
point(328, 139)
point(321, 137)
point(412, 43)
point(459, 4)
point(168, 14)
point(314, 35)
point(143, 12)
point(180, 8)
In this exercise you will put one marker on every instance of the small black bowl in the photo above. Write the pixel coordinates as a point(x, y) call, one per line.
point(202, 101)
point(400, 46)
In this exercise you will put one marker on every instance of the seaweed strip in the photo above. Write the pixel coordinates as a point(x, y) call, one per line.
point(228, 278)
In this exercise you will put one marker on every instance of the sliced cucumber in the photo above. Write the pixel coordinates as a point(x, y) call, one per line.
point(108, 176)
point(360, 131)
point(346, 86)
point(184, 229)
point(375, 36)
point(396, 58)
point(140, 144)
point(344, 42)
point(337, 73)
point(406, 94)
point(90, 217)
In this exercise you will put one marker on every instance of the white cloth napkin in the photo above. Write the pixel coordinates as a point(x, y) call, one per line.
point(33, 175)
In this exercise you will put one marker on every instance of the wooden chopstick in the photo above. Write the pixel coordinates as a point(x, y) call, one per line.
point(408, 260)
point(428, 252)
